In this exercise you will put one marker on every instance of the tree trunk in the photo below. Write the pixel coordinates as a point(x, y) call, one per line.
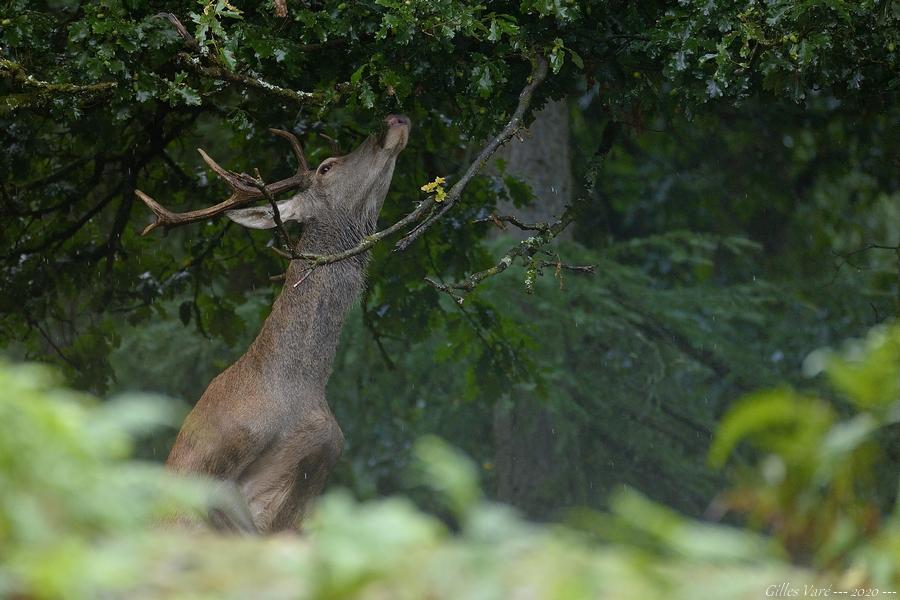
point(528, 468)
point(544, 162)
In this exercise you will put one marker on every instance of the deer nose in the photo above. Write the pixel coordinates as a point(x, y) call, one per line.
point(397, 120)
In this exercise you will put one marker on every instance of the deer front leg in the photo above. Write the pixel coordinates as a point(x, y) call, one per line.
point(281, 486)
point(222, 453)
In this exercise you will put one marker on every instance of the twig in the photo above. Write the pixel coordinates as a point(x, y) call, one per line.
point(498, 220)
point(282, 253)
point(71, 362)
point(870, 247)
point(561, 265)
point(369, 240)
point(335, 147)
point(526, 250)
point(306, 274)
point(276, 215)
point(181, 29)
point(447, 289)
point(845, 257)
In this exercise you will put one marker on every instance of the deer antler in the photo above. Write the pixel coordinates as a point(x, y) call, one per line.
point(335, 147)
point(245, 189)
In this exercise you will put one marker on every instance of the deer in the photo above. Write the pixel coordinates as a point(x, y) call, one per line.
point(263, 428)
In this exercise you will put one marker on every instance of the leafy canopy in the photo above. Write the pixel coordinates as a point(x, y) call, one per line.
point(104, 97)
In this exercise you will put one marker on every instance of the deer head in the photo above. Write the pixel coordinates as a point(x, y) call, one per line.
point(341, 189)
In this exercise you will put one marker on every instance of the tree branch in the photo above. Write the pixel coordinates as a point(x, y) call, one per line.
point(499, 221)
point(15, 71)
point(216, 70)
point(47, 338)
point(526, 250)
point(54, 176)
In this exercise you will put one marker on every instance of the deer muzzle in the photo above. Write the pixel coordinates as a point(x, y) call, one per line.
point(397, 133)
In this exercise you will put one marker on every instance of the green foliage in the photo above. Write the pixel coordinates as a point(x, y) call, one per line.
point(65, 484)
point(103, 540)
point(791, 49)
point(449, 473)
point(455, 67)
point(816, 485)
point(731, 218)
point(635, 364)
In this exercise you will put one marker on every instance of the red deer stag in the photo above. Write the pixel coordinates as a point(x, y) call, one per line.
point(263, 426)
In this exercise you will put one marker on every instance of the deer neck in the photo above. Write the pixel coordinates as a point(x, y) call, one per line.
point(299, 338)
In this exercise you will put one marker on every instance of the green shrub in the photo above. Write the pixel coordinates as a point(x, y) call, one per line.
point(823, 485)
point(79, 519)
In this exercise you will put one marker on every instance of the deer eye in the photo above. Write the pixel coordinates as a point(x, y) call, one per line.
point(325, 167)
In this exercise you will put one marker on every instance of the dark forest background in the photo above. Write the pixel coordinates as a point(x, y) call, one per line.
point(731, 170)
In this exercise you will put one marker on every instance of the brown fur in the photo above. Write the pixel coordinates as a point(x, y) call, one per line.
point(263, 426)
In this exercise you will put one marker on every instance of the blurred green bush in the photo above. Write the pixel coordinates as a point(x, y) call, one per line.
point(80, 519)
point(816, 486)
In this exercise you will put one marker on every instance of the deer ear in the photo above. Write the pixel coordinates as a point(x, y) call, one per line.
point(260, 217)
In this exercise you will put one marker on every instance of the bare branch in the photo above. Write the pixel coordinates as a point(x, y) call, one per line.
point(499, 221)
point(306, 274)
point(447, 289)
point(368, 241)
point(181, 29)
point(526, 250)
point(868, 247)
point(563, 266)
point(283, 254)
point(54, 176)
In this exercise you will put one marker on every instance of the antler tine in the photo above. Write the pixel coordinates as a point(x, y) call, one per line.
point(162, 214)
point(244, 190)
point(302, 167)
point(335, 148)
point(233, 179)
